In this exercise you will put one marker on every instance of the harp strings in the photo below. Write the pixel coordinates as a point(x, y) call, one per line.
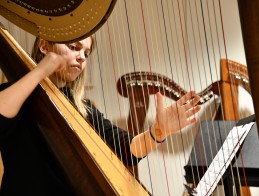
point(149, 61)
point(150, 46)
point(211, 59)
point(129, 54)
point(163, 155)
point(117, 69)
point(113, 54)
point(209, 39)
point(208, 78)
point(194, 17)
point(233, 91)
point(158, 66)
point(166, 168)
point(116, 54)
point(175, 72)
point(234, 96)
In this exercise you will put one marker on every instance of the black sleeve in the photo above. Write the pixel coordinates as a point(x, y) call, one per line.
point(7, 125)
point(118, 139)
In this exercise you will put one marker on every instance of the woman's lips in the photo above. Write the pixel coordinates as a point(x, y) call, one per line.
point(78, 66)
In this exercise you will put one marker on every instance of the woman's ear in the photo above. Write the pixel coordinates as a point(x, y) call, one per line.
point(44, 46)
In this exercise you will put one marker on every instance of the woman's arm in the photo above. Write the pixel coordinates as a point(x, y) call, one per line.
point(13, 97)
point(168, 120)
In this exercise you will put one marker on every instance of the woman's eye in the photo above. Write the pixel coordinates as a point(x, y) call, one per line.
point(72, 47)
point(87, 55)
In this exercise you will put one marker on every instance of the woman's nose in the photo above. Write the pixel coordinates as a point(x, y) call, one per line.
point(80, 57)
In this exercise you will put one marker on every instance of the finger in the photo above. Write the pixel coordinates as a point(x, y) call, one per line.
point(61, 64)
point(192, 102)
point(186, 97)
point(193, 111)
point(196, 99)
point(192, 120)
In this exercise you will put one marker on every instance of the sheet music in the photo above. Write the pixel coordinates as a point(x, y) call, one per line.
point(222, 160)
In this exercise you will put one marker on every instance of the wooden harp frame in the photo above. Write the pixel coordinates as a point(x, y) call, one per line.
point(249, 18)
point(63, 21)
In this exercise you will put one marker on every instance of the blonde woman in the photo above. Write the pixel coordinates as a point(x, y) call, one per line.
point(30, 168)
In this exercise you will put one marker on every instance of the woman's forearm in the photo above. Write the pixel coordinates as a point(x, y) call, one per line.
point(143, 143)
point(13, 97)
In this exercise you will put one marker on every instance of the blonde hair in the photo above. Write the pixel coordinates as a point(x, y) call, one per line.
point(77, 88)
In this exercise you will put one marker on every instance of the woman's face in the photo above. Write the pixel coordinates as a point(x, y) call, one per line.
point(76, 55)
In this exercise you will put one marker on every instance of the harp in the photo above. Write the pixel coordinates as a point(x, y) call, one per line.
point(84, 172)
point(138, 86)
point(51, 20)
point(132, 9)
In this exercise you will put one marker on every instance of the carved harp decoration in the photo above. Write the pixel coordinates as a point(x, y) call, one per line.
point(58, 21)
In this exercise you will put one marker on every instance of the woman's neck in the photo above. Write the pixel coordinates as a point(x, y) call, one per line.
point(59, 83)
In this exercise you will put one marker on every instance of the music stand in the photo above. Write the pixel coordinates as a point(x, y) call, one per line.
point(214, 134)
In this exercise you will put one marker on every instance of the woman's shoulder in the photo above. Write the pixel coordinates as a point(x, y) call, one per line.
point(92, 109)
point(90, 104)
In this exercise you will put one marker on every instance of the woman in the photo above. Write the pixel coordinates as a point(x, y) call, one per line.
point(30, 168)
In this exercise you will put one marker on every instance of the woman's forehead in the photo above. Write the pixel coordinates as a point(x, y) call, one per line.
point(85, 42)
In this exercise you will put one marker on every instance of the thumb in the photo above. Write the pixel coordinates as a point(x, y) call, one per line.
point(160, 101)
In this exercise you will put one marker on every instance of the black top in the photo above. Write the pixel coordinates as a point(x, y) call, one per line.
point(29, 166)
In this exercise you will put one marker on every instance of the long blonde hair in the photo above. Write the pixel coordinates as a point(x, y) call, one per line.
point(77, 88)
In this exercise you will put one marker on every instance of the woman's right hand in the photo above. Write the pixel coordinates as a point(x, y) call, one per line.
point(51, 63)
point(13, 97)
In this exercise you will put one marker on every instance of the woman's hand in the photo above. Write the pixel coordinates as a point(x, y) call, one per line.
point(51, 63)
point(13, 97)
point(175, 117)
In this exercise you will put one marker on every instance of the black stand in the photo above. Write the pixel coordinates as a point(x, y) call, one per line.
point(213, 133)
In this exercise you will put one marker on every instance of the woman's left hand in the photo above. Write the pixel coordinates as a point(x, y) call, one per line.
point(175, 117)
